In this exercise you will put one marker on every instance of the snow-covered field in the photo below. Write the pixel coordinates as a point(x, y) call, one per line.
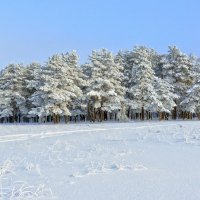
point(101, 161)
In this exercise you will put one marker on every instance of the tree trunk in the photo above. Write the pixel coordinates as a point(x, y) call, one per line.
point(142, 113)
point(175, 113)
point(54, 118)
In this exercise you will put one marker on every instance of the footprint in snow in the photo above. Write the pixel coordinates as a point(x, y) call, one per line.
point(121, 167)
point(140, 167)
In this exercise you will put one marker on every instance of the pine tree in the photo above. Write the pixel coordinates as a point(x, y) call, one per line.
point(58, 87)
point(179, 74)
point(33, 82)
point(105, 93)
point(13, 93)
point(166, 95)
point(191, 103)
point(141, 92)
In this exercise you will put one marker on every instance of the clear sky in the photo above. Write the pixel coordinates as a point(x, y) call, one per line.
point(33, 30)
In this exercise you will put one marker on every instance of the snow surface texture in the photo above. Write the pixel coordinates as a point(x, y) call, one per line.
point(114, 161)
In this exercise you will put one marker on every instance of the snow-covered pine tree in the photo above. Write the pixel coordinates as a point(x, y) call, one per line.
point(191, 103)
point(33, 82)
point(178, 72)
point(78, 106)
point(58, 88)
point(13, 93)
point(119, 60)
point(126, 59)
point(105, 91)
point(166, 95)
point(141, 90)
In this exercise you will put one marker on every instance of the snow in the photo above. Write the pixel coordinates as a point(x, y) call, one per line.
point(115, 161)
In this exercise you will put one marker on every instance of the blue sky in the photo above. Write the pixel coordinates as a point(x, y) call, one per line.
point(33, 30)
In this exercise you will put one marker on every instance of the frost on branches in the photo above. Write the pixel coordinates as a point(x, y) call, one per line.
point(58, 86)
point(105, 91)
point(13, 93)
point(135, 84)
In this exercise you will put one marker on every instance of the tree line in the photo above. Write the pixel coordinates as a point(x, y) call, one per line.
point(137, 84)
